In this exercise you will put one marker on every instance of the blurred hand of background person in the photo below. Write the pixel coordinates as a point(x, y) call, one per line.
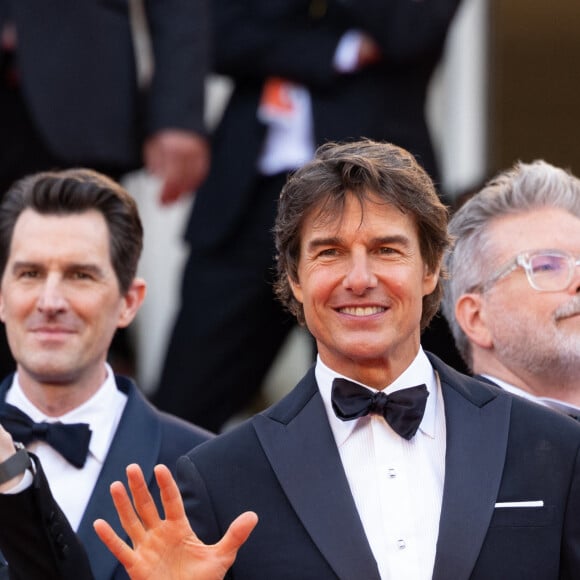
point(369, 52)
point(122, 87)
point(302, 73)
point(180, 158)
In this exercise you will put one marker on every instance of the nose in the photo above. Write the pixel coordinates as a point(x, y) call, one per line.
point(51, 299)
point(360, 277)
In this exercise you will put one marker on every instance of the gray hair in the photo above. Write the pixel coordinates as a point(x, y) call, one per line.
point(469, 261)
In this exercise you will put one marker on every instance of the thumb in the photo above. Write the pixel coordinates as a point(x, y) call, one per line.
point(237, 534)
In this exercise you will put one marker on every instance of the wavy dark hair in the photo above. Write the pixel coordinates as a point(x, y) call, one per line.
point(362, 168)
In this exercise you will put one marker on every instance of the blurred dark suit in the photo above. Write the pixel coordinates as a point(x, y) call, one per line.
point(69, 91)
point(230, 327)
point(76, 73)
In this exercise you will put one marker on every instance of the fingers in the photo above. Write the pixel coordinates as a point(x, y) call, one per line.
point(142, 499)
point(170, 495)
point(129, 519)
point(152, 537)
point(117, 547)
point(173, 188)
point(180, 158)
point(174, 174)
point(183, 173)
point(238, 532)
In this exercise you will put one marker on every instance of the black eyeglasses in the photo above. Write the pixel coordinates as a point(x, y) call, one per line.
point(546, 270)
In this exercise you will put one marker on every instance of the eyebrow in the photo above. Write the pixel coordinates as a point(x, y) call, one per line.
point(86, 267)
point(397, 239)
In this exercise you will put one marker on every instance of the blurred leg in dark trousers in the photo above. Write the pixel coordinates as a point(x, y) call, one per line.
point(227, 300)
point(22, 152)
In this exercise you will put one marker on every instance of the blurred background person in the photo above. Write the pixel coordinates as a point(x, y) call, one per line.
point(70, 93)
point(303, 72)
point(512, 298)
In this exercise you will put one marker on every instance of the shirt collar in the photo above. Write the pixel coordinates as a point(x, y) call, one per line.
point(555, 404)
point(101, 412)
point(418, 372)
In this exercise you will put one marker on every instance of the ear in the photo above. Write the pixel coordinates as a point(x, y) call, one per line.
point(2, 314)
point(296, 289)
point(470, 315)
point(132, 302)
point(430, 279)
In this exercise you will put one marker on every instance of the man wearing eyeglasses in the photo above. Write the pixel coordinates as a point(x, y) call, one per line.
point(513, 294)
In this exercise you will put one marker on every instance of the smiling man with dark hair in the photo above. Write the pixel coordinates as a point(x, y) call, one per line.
point(383, 462)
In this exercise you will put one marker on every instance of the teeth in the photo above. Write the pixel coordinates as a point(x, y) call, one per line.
point(362, 311)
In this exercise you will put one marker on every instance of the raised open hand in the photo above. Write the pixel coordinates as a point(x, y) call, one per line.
point(167, 549)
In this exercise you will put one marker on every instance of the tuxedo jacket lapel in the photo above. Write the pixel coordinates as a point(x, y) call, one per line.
point(297, 440)
point(137, 440)
point(477, 423)
point(4, 386)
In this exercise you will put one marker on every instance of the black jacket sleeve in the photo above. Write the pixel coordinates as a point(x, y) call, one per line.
point(36, 539)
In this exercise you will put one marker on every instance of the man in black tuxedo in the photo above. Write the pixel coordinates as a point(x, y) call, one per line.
point(304, 72)
point(512, 299)
point(383, 462)
point(69, 246)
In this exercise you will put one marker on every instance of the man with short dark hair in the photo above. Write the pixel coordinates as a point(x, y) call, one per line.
point(303, 73)
point(70, 243)
point(72, 93)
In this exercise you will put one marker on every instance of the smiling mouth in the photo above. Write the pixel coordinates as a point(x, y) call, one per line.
point(362, 310)
point(45, 332)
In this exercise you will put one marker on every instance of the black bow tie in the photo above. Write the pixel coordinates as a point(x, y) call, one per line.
point(71, 441)
point(403, 410)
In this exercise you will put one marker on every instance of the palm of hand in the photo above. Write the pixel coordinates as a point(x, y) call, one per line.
point(167, 549)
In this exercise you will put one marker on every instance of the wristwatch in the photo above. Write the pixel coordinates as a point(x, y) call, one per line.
point(15, 464)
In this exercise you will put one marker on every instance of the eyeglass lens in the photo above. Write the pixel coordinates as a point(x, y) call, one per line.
point(550, 271)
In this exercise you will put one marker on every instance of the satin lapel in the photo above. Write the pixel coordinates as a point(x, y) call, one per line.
point(137, 440)
point(4, 386)
point(304, 457)
point(477, 433)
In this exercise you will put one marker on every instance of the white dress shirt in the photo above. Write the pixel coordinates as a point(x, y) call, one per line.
point(397, 484)
point(289, 141)
point(72, 487)
point(554, 404)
